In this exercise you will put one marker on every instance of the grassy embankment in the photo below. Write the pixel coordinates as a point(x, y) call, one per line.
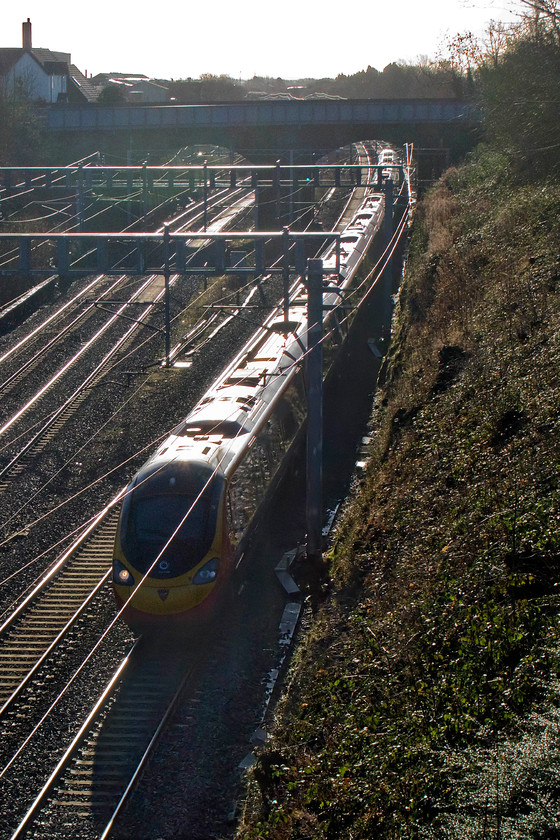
point(423, 703)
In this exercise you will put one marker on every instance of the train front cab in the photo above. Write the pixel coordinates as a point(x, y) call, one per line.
point(186, 578)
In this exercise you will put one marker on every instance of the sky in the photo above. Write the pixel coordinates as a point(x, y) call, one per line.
point(293, 39)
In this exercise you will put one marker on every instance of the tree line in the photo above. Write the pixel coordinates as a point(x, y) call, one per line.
point(395, 81)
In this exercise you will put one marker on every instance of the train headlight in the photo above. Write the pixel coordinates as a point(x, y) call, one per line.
point(121, 575)
point(208, 573)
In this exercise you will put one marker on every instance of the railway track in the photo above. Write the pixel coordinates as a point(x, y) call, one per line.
point(148, 295)
point(151, 292)
point(86, 791)
point(39, 624)
point(41, 433)
point(94, 769)
point(80, 787)
point(205, 331)
point(58, 324)
point(42, 660)
point(42, 628)
point(24, 355)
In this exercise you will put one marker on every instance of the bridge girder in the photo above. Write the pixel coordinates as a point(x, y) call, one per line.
point(265, 131)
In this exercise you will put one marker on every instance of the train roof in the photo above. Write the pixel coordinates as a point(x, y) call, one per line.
point(233, 410)
point(231, 413)
point(179, 475)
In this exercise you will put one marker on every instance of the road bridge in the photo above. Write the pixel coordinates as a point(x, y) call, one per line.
point(274, 126)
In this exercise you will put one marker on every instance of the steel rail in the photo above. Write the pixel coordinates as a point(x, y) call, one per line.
point(7, 703)
point(67, 755)
point(22, 342)
point(85, 347)
point(38, 355)
point(154, 279)
point(88, 529)
point(144, 697)
point(75, 299)
point(42, 621)
point(144, 758)
point(78, 394)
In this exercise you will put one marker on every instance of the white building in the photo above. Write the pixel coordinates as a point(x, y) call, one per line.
point(135, 88)
point(42, 75)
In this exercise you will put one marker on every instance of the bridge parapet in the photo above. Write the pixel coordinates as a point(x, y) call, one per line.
point(257, 114)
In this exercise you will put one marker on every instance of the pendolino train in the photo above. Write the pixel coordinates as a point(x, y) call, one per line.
point(390, 160)
point(185, 516)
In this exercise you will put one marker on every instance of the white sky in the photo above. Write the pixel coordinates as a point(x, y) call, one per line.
point(242, 38)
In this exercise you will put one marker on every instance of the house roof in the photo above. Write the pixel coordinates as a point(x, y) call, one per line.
point(45, 56)
point(8, 57)
point(105, 78)
point(149, 83)
point(82, 84)
point(53, 63)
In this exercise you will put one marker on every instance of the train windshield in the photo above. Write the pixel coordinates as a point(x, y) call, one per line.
point(156, 518)
point(169, 521)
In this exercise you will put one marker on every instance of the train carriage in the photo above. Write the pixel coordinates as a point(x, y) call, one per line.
point(188, 513)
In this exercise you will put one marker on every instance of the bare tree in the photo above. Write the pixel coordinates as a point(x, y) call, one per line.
point(498, 38)
point(464, 52)
point(547, 11)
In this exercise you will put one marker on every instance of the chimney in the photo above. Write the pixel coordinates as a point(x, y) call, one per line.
point(26, 28)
